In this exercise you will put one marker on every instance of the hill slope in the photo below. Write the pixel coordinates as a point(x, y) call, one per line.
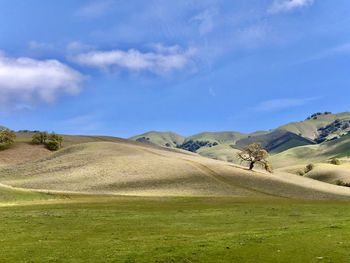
point(134, 169)
point(330, 173)
point(309, 128)
point(165, 139)
point(23, 151)
point(275, 141)
point(318, 128)
point(219, 137)
point(313, 153)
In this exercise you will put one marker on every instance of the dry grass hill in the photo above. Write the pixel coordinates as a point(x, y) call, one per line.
point(165, 139)
point(106, 165)
point(317, 139)
point(150, 164)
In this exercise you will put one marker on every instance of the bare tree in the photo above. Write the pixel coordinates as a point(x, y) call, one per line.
point(255, 154)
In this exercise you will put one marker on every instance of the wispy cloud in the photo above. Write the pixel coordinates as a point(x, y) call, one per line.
point(281, 6)
point(162, 59)
point(283, 103)
point(333, 51)
point(205, 20)
point(95, 9)
point(77, 47)
point(36, 45)
point(24, 81)
point(343, 49)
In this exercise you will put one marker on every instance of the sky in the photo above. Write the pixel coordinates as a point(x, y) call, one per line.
point(121, 68)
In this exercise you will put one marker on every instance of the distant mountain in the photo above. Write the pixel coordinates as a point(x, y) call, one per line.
point(165, 139)
point(219, 137)
point(317, 128)
point(312, 127)
point(275, 141)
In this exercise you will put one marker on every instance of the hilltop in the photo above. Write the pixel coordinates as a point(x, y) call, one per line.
point(166, 139)
point(316, 129)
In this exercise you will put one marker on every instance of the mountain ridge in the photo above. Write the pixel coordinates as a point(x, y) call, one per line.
point(317, 128)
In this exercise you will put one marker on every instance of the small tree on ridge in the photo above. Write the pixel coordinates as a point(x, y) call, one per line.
point(255, 154)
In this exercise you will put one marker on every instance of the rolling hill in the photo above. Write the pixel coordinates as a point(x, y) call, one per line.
point(330, 173)
point(309, 128)
point(316, 129)
point(303, 155)
point(275, 141)
point(219, 137)
point(125, 167)
point(165, 139)
point(152, 164)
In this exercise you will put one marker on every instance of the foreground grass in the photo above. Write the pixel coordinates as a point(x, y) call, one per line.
point(176, 230)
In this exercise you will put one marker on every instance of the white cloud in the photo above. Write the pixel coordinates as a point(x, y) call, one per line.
point(280, 6)
point(95, 9)
point(284, 103)
point(163, 59)
point(25, 81)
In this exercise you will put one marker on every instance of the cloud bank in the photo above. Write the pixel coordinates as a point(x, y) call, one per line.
point(25, 81)
point(163, 59)
point(281, 6)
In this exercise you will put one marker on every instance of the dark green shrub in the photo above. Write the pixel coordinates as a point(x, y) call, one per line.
point(309, 167)
point(301, 172)
point(341, 183)
point(57, 138)
point(39, 137)
point(335, 161)
point(53, 145)
point(7, 138)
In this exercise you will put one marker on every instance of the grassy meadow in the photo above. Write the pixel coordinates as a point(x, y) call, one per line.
point(168, 229)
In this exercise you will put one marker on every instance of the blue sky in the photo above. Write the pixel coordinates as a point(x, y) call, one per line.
point(125, 67)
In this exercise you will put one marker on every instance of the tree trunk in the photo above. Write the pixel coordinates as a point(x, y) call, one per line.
point(251, 165)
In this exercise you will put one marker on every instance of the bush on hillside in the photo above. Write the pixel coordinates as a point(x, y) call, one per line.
point(57, 138)
point(309, 167)
point(40, 137)
point(301, 172)
point(341, 183)
point(7, 138)
point(335, 161)
point(52, 141)
point(193, 146)
point(53, 145)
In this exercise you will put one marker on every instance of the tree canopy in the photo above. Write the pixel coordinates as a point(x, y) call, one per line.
point(255, 154)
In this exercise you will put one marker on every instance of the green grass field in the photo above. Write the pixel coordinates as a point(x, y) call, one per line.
point(136, 229)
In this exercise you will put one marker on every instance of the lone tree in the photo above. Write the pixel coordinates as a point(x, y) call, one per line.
point(7, 138)
point(255, 154)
